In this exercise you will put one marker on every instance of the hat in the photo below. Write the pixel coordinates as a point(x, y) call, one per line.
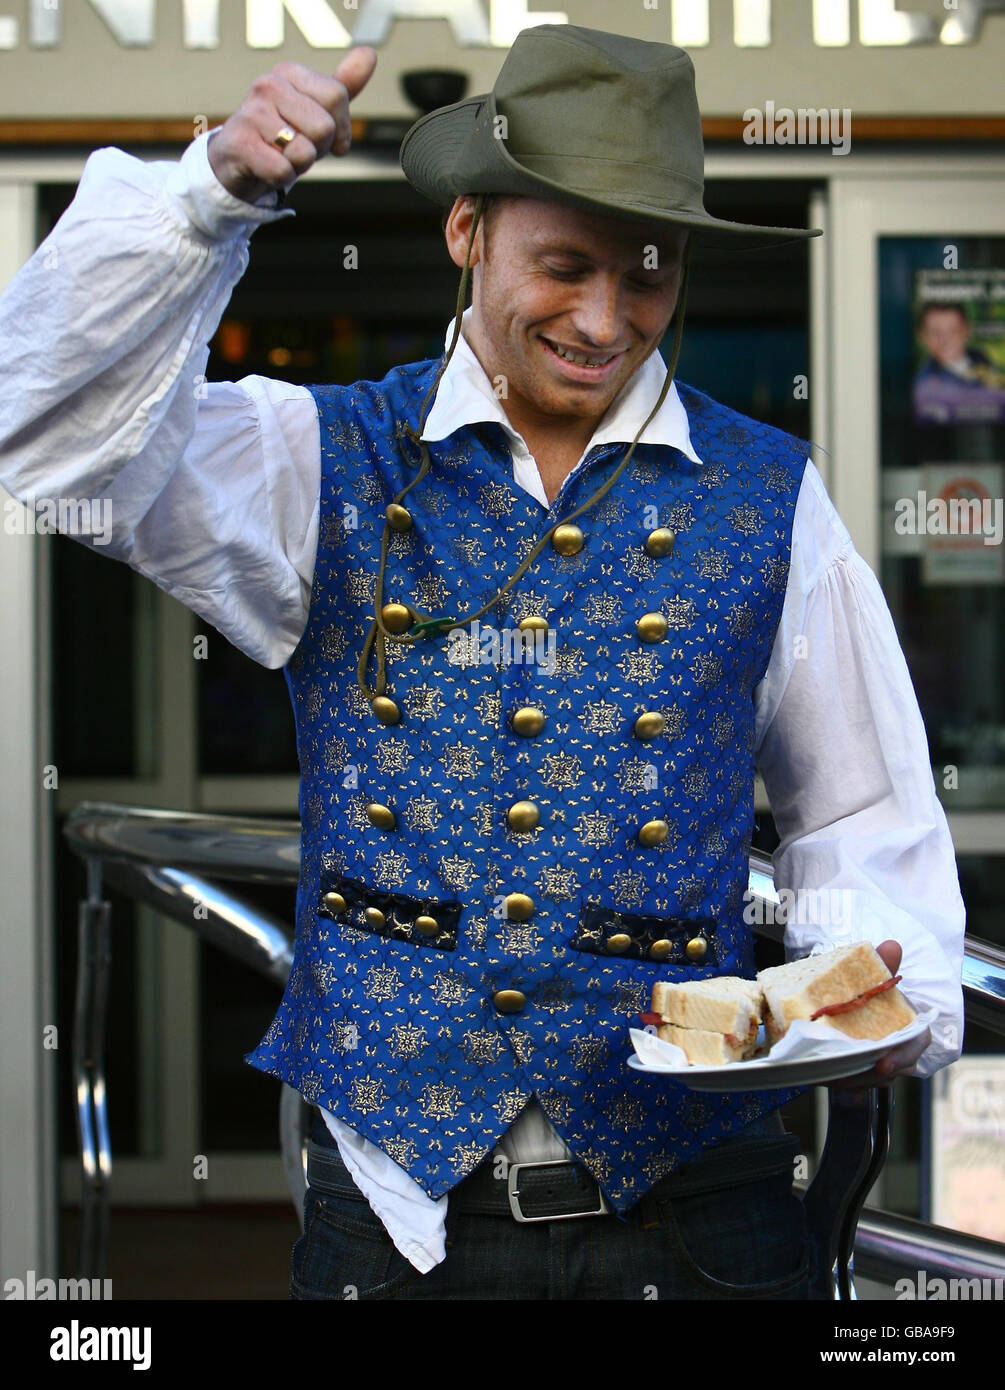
point(583, 117)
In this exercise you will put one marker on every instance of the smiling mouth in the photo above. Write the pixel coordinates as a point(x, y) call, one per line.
point(578, 359)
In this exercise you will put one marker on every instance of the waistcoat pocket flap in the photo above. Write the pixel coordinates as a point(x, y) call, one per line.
point(398, 916)
point(688, 941)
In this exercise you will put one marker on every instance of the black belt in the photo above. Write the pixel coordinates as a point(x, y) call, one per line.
point(525, 1191)
point(563, 1188)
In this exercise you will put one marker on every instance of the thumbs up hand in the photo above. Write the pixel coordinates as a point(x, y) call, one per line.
point(314, 105)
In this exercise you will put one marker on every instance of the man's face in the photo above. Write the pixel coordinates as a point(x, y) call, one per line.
point(944, 334)
point(558, 277)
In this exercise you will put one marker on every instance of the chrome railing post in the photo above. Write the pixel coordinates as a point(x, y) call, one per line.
point(842, 1180)
point(94, 959)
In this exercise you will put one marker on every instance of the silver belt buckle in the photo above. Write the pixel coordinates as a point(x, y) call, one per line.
point(513, 1193)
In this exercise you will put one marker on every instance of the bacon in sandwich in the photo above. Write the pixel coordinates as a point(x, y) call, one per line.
point(850, 989)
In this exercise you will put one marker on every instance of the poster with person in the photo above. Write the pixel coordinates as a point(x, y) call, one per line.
point(959, 329)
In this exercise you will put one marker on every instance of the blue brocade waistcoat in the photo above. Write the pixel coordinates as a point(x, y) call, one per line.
point(393, 1015)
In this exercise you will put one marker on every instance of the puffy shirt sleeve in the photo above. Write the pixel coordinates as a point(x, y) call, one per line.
point(865, 848)
point(209, 489)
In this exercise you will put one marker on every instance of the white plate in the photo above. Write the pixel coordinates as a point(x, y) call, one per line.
point(830, 1061)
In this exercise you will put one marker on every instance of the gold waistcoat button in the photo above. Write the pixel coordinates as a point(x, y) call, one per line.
point(397, 617)
point(386, 710)
point(567, 538)
point(649, 724)
point(527, 721)
point(381, 816)
point(660, 542)
point(660, 950)
point(619, 943)
point(651, 627)
point(533, 623)
point(509, 1001)
point(696, 948)
point(518, 907)
point(334, 902)
point(399, 518)
point(374, 917)
point(654, 832)
point(427, 925)
point(523, 815)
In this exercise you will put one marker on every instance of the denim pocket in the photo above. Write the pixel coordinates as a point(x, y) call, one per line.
point(743, 1237)
point(344, 1252)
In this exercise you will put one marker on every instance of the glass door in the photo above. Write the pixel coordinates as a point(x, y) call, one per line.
point(917, 314)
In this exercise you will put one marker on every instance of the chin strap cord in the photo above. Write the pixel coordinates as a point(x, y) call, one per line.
point(426, 625)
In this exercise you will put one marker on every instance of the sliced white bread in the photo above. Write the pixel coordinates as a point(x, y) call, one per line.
point(724, 1004)
point(703, 1047)
point(801, 988)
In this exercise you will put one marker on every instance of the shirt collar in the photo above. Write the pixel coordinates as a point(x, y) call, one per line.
point(465, 397)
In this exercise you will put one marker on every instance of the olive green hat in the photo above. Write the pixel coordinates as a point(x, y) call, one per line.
point(583, 117)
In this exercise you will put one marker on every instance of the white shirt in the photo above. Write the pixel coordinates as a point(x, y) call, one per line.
point(215, 497)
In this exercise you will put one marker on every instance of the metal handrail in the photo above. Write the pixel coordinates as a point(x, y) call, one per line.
point(159, 857)
point(245, 932)
point(984, 983)
point(251, 849)
point(889, 1247)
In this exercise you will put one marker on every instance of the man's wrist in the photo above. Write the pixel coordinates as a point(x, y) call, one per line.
point(210, 207)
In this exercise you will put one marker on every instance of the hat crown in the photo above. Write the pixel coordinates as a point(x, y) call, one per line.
point(573, 94)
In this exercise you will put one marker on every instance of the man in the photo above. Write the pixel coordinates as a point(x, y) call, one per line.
point(500, 857)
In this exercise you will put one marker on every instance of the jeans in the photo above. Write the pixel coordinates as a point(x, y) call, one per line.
point(728, 1226)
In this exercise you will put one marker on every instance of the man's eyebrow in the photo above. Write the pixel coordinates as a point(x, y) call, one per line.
point(542, 244)
point(545, 246)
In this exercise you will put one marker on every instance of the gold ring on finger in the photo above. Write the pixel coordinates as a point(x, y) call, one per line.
point(284, 137)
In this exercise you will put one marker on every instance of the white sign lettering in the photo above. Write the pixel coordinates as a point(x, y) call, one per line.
point(465, 17)
point(881, 23)
point(320, 26)
point(494, 23)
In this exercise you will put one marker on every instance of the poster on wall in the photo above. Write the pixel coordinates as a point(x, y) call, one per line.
point(959, 334)
point(968, 1147)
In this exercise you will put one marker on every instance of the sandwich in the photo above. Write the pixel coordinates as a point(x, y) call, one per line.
point(850, 989)
point(714, 1021)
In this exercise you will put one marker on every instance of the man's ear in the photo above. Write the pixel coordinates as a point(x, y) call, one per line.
point(457, 231)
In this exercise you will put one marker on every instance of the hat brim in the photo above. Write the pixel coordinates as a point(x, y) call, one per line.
point(432, 147)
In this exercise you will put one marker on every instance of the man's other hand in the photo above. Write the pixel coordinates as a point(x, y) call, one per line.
point(899, 1059)
point(243, 154)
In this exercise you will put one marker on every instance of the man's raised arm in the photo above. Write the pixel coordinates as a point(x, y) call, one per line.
point(209, 489)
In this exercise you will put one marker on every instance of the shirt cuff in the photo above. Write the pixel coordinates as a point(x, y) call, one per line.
point(209, 207)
